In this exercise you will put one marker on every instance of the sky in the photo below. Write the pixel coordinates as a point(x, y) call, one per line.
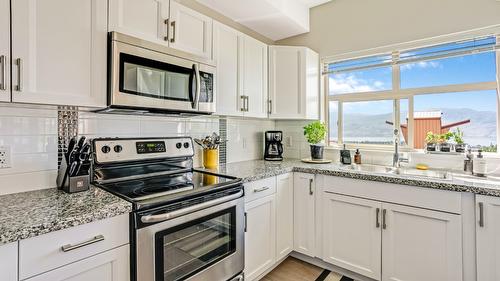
point(456, 70)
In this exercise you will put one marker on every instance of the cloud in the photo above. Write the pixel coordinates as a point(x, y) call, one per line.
point(349, 83)
point(420, 64)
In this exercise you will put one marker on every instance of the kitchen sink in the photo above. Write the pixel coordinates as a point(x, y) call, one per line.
point(404, 171)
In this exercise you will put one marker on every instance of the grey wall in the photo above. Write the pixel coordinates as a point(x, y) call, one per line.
point(342, 26)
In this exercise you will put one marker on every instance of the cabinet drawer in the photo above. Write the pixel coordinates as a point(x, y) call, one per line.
point(260, 188)
point(45, 252)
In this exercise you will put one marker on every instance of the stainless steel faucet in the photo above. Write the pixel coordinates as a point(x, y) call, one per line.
point(396, 159)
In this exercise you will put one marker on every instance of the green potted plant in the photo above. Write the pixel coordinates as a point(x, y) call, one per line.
point(444, 144)
point(315, 133)
point(431, 141)
point(458, 137)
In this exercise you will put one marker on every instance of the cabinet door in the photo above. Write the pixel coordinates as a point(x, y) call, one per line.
point(144, 19)
point(113, 265)
point(352, 234)
point(284, 215)
point(190, 31)
point(226, 41)
point(8, 264)
point(59, 52)
point(286, 81)
point(420, 244)
point(260, 236)
point(488, 238)
point(4, 50)
point(253, 71)
point(304, 214)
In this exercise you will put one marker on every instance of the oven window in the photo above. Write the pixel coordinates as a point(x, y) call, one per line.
point(154, 79)
point(187, 249)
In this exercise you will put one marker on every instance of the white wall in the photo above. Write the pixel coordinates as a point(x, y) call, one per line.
point(343, 26)
point(32, 135)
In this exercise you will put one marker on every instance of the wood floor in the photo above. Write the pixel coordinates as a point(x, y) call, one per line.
point(293, 269)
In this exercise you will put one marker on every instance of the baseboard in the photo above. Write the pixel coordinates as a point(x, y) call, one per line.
point(320, 263)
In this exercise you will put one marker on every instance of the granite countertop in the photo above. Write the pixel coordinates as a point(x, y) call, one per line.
point(28, 214)
point(259, 169)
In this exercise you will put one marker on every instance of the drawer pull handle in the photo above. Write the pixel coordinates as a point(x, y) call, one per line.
point(264, 188)
point(69, 247)
point(384, 213)
point(311, 187)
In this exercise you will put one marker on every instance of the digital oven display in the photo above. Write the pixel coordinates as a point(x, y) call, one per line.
point(150, 147)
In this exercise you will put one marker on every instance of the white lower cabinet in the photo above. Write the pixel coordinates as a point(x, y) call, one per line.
point(284, 215)
point(8, 261)
point(351, 234)
point(260, 239)
point(113, 265)
point(488, 238)
point(303, 214)
point(391, 242)
point(420, 244)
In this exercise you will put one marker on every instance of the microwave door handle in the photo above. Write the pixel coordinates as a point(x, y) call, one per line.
point(197, 92)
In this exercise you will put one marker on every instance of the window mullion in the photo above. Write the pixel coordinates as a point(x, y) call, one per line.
point(340, 123)
point(498, 88)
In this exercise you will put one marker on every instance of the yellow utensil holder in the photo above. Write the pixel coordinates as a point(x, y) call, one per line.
point(210, 158)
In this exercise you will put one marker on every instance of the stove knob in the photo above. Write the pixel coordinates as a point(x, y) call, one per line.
point(178, 145)
point(186, 145)
point(118, 148)
point(106, 149)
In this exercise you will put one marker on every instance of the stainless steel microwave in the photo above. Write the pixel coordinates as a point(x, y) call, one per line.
point(148, 77)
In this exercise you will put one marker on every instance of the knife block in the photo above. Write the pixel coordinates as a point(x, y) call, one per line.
point(71, 184)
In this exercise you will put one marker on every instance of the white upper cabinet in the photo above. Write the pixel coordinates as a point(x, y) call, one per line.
point(4, 50)
point(304, 225)
point(293, 83)
point(145, 19)
point(351, 234)
point(190, 31)
point(253, 76)
point(59, 52)
point(284, 215)
point(420, 244)
point(226, 58)
point(8, 264)
point(488, 238)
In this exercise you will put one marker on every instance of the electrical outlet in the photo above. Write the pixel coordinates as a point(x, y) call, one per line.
point(5, 157)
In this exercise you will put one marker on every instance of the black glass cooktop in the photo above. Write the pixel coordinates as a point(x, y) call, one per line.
point(167, 188)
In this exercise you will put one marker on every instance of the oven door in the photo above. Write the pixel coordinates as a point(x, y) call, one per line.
point(203, 245)
point(143, 78)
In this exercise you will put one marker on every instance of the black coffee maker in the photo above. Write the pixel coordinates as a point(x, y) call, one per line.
point(273, 149)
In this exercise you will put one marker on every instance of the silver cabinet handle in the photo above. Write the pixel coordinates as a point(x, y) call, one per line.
point(377, 215)
point(247, 106)
point(242, 103)
point(246, 222)
point(167, 32)
point(264, 188)
point(19, 63)
point(481, 214)
point(270, 107)
point(384, 212)
point(311, 187)
point(3, 65)
point(172, 40)
point(69, 247)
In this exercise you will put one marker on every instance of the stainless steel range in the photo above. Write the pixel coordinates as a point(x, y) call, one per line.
point(186, 224)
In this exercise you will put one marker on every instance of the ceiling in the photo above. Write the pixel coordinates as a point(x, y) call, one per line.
point(275, 19)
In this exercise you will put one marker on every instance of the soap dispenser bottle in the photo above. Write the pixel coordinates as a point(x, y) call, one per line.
point(357, 157)
point(480, 166)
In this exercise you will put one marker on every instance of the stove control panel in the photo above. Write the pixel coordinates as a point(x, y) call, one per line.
point(109, 150)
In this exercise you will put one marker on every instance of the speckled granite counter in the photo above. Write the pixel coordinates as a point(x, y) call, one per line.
point(29, 214)
point(259, 169)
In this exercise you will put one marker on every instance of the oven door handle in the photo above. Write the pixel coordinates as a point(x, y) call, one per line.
point(190, 209)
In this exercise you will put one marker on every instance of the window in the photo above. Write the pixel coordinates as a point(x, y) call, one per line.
point(442, 88)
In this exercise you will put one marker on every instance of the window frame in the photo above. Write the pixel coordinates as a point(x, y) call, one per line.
point(396, 93)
